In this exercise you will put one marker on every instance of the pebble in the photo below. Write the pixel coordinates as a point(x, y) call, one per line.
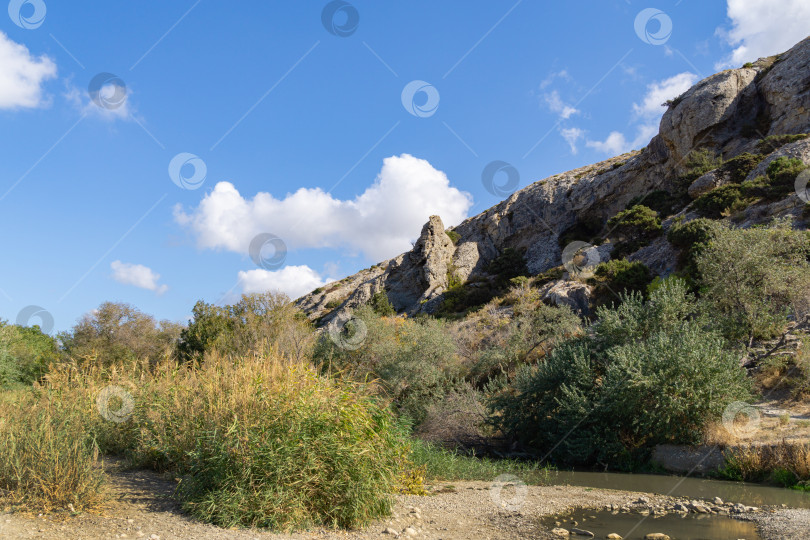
point(656, 536)
point(560, 532)
point(718, 500)
point(391, 531)
point(410, 531)
point(582, 532)
point(614, 536)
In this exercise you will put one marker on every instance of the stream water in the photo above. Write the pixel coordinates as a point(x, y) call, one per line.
point(636, 527)
point(679, 486)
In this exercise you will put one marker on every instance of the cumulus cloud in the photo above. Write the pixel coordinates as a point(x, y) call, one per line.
point(22, 75)
point(379, 223)
point(647, 115)
point(763, 28)
point(558, 106)
point(294, 281)
point(137, 275)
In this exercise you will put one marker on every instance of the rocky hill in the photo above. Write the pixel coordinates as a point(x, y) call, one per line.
point(728, 114)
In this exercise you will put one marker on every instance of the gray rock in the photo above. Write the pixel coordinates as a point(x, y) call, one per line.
point(706, 183)
point(574, 294)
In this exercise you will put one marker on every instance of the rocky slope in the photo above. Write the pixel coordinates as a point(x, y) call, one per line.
point(727, 113)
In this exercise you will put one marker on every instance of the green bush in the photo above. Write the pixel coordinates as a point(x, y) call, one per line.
point(454, 236)
point(414, 360)
point(739, 167)
point(26, 354)
point(663, 202)
point(699, 162)
point(464, 297)
point(778, 181)
point(381, 305)
point(774, 142)
point(691, 238)
point(651, 374)
point(617, 277)
point(721, 201)
point(585, 229)
point(755, 278)
point(507, 265)
point(635, 229)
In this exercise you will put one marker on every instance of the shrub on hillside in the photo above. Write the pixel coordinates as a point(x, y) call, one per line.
point(774, 142)
point(722, 201)
point(635, 228)
point(414, 360)
point(755, 278)
point(619, 276)
point(507, 265)
point(381, 305)
point(661, 201)
point(651, 374)
point(691, 238)
point(739, 167)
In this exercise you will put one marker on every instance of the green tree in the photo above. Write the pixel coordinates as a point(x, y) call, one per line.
point(755, 278)
point(25, 354)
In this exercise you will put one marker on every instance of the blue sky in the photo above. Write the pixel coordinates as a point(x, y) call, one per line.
point(299, 129)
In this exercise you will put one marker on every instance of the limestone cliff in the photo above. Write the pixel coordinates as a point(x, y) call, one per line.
point(726, 113)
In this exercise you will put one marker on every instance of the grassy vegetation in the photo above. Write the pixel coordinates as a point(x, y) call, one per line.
point(786, 464)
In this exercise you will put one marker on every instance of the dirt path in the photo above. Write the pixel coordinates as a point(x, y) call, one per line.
point(141, 506)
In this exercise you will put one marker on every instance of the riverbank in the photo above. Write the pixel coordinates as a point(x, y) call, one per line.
point(140, 506)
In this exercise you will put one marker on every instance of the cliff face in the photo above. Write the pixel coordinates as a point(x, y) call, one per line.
point(726, 113)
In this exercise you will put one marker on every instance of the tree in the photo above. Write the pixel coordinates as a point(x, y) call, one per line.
point(25, 354)
point(754, 279)
point(118, 332)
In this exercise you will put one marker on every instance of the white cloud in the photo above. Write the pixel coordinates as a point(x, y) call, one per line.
point(380, 223)
point(294, 281)
point(85, 104)
point(22, 75)
point(137, 275)
point(562, 74)
point(659, 92)
point(571, 136)
point(763, 28)
point(557, 106)
point(649, 112)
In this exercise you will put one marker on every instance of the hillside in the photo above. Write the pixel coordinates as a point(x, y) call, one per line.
point(743, 113)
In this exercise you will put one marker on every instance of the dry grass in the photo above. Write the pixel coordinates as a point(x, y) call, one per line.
point(48, 460)
point(258, 441)
point(784, 463)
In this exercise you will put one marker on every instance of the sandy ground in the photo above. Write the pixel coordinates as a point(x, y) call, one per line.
point(141, 506)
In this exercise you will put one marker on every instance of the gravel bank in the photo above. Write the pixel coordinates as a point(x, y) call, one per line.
point(141, 507)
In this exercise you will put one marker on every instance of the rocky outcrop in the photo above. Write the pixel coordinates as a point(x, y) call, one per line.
point(726, 113)
point(574, 294)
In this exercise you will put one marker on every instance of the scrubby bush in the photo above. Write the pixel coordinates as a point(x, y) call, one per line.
point(118, 332)
point(739, 167)
point(414, 360)
point(254, 323)
point(460, 298)
point(454, 236)
point(755, 278)
point(774, 142)
point(691, 238)
point(635, 228)
point(778, 181)
point(722, 201)
point(381, 305)
point(26, 354)
point(529, 336)
point(619, 276)
point(659, 200)
point(585, 229)
point(699, 162)
point(651, 374)
point(507, 265)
